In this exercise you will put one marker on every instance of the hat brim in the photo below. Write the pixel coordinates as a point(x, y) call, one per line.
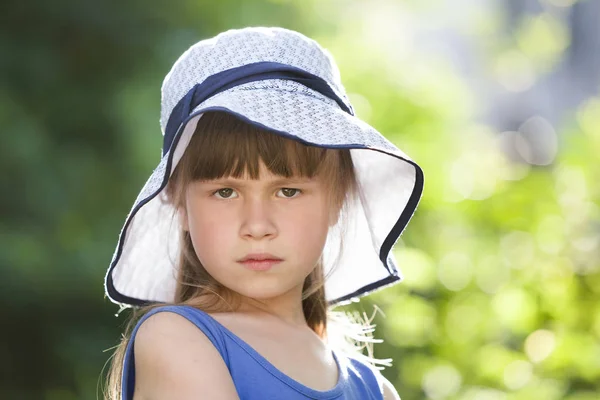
point(144, 266)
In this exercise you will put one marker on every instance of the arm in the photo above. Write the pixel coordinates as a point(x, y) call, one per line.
point(389, 392)
point(175, 360)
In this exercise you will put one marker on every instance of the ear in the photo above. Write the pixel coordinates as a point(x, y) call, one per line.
point(183, 218)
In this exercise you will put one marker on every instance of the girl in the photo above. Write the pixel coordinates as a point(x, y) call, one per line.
point(271, 204)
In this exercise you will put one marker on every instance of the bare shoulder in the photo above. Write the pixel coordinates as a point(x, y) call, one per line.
point(175, 359)
point(389, 391)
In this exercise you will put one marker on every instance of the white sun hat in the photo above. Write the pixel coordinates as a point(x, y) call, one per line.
point(284, 82)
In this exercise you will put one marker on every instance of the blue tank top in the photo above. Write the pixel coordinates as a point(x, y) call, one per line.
point(254, 377)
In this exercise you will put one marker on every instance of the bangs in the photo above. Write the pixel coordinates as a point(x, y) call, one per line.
point(225, 146)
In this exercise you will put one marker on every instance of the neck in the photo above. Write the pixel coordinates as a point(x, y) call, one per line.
point(287, 307)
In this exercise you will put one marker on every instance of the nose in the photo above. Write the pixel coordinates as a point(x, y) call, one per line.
point(257, 219)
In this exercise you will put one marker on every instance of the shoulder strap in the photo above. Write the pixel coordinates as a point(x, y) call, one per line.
point(370, 376)
point(199, 318)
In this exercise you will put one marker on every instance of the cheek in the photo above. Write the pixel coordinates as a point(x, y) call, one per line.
point(210, 232)
point(308, 226)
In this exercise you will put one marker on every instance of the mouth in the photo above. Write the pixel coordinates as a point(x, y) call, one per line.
point(260, 261)
point(260, 257)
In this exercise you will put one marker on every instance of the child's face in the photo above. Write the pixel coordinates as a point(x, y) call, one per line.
point(230, 218)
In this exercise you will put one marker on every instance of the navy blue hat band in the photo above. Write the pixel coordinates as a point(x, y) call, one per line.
point(227, 79)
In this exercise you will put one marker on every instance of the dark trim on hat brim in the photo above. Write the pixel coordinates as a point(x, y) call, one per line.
point(406, 215)
point(392, 237)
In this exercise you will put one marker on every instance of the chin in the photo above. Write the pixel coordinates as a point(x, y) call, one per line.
point(264, 290)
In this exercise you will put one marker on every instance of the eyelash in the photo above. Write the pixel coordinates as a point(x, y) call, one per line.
point(227, 198)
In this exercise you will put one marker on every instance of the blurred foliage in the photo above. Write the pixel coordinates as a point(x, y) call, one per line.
point(501, 261)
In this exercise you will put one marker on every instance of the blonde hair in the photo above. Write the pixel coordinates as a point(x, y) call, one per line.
point(224, 145)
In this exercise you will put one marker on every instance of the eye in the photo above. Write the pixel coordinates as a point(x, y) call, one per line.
point(289, 192)
point(224, 193)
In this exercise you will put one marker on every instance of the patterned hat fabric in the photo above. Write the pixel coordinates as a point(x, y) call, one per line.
point(284, 82)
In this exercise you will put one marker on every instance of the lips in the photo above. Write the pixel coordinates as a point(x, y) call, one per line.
point(260, 257)
point(259, 261)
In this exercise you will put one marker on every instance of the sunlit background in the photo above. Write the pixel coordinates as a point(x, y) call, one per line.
point(497, 100)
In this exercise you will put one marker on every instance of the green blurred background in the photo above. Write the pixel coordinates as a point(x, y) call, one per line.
point(496, 100)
